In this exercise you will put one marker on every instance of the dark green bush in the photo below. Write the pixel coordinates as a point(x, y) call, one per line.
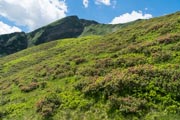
point(80, 85)
point(79, 61)
point(4, 100)
point(2, 115)
point(43, 84)
point(47, 105)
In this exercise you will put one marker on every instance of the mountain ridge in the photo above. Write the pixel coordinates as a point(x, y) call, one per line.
point(68, 27)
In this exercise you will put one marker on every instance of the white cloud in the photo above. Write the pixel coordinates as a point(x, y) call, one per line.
point(85, 3)
point(128, 17)
point(33, 13)
point(101, 2)
point(4, 29)
point(105, 2)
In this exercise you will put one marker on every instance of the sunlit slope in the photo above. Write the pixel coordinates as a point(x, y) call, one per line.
point(133, 73)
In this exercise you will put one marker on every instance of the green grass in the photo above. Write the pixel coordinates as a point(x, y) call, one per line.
point(132, 73)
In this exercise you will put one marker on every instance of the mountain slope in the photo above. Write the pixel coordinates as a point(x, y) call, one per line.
point(132, 73)
point(68, 27)
point(11, 43)
point(103, 29)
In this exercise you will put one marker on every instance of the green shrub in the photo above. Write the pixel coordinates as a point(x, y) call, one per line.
point(6, 92)
point(128, 105)
point(81, 83)
point(2, 114)
point(161, 56)
point(153, 49)
point(168, 38)
point(173, 109)
point(30, 87)
point(47, 105)
point(104, 63)
point(91, 71)
point(155, 86)
point(155, 27)
point(4, 100)
point(79, 61)
point(176, 47)
point(129, 61)
point(43, 84)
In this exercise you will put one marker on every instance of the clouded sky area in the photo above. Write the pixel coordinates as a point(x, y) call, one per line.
point(28, 15)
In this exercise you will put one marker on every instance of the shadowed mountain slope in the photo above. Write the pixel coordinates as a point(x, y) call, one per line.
point(11, 43)
point(69, 27)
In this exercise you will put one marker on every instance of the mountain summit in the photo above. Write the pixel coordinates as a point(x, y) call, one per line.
point(69, 27)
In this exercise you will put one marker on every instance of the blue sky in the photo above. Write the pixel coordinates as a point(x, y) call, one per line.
point(105, 14)
point(28, 15)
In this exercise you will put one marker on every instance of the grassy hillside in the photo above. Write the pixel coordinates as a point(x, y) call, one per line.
point(100, 29)
point(133, 73)
point(103, 29)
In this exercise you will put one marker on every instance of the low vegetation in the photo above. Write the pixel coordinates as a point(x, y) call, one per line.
point(132, 73)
